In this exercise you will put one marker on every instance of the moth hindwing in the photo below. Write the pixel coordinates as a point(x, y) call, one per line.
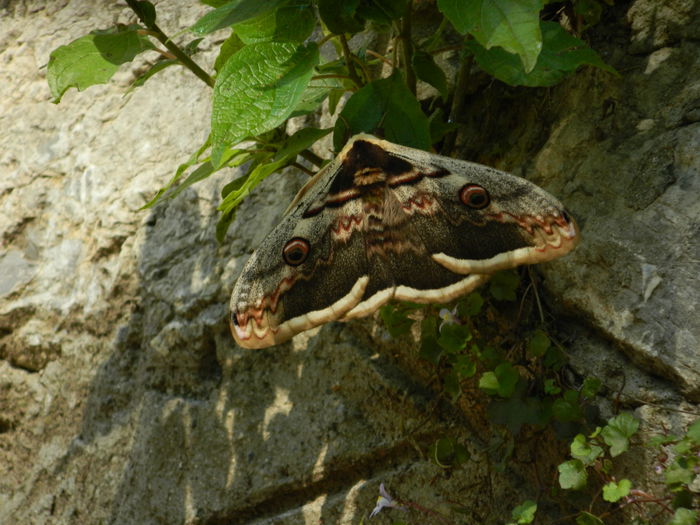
point(384, 222)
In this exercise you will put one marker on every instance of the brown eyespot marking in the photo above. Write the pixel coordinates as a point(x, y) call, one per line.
point(474, 196)
point(296, 251)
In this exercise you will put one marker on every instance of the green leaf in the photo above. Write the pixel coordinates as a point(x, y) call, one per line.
point(453, 337)
point(590, 387)
point(561, 55)
point(396, 320)
point(300, 141)
point(684, 516)
point(513, 25)
point(694, 431)
point(464, 366)
point(515, 412)
point(586, 518)
point(289, 23)
point(145, 10)
point(233, 13)
point(503, 285)
point(582, 450)
point(341, 16)
point(538, 344)
point(551, 388)
point(257, 89)
point(250, 181)
point(572, 475)
point(501, 381)
point(387, 105)
point(617, 432)
point(525, 512)
point(230, 46)
point(381, 12)
point(470, 305)
point(613, 491)
point(566, 410)
point(159, 66)
point(677, 474)
point(428, 71)
point(93, 59)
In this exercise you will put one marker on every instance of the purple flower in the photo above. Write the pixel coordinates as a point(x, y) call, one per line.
point(384, 500)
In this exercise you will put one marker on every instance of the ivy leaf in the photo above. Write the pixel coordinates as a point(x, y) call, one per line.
point(453, 337)
point(446, 452)
point(387, 105)
point(396, 320)
point(289, 23)
point(471, 305)
point(525, 512)
point(591, 386)
point(684, 516)
point(572, 475)
point(617, 432)
point(513, 25)
point(582, 450)
point(561, 55)
point(613, 491)
point(501, 381)
point(232, 13)
point(93, 59)
point(257, 89)
point(430, 350)
point(694, 431)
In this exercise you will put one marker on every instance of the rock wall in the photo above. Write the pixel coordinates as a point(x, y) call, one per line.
point(123, 398)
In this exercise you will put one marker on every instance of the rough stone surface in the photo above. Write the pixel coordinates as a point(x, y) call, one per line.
point(122, 396)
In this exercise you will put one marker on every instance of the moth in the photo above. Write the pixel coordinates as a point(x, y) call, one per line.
point(385, 222)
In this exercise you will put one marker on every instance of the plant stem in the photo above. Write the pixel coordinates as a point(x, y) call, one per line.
point(311, 157)
point(457, 102)
point(349, 61)
point(171, 46)
point(407, 49)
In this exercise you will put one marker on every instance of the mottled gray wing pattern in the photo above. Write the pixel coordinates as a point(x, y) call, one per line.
point(385, 222)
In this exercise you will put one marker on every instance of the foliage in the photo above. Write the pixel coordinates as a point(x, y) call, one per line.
point(270, 69)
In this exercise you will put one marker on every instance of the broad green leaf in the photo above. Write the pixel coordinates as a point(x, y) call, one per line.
point(617, 432)
point(684, 516)
point(586, 518)
point(146, 10)
point(315, 93)
point(561, 55)
point(250, 181)
point(257, 89)
point(583, 450)
point(572, 475)
point(525, 512)
point(428, 71)
point(289, 23)
point(159, 66)
point(513, 25)
point(230, 46)
point(451, 385)
point(551, 388)
point(340, 16)
point(301, 140)
point(566, 410)
point(93, 59)
point(232, 13)
point(464, 366)
point(677, 474)
point(385, 104)
point(613, 491)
